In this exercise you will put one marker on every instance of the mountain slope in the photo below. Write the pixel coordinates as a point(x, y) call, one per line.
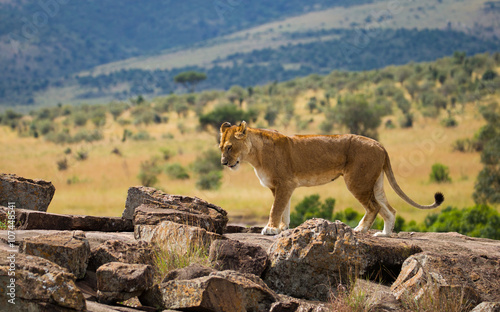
point(229, 38)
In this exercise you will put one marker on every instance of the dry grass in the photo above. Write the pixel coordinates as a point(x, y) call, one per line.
point(449, 300)
point(180, 251)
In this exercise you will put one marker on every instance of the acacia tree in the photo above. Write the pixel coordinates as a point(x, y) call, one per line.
point(190, 79)
point(354, 112)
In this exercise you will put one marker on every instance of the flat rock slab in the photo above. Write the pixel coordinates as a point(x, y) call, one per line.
point(37, 220)
point(95, 238)
point(67, 249)
point(32, 194)
point(40, 285)
point(190, 210)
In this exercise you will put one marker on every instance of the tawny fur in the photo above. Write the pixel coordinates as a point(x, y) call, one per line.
point(283, 163)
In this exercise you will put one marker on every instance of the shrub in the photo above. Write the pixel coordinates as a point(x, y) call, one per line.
point(440, 173)
point(207, 162)
point(167, 153)
point(476, 221)
point(230, 113)
point(209, 181)
point(80, 119)
point(148, 174)
point(82, 155)
point(177, 171)
point(311, 207)
point(449, 122)
point(141, 136)
point(62, 164)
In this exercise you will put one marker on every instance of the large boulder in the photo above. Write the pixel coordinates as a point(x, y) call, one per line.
point(446, 278)
point(237, 256)
point(38, 220)
point(311, 260)
point(158, 206)
point(25, 193)
point(39, 285)
point(67, 249)
point(220, 291)
point(118, 281)
point(139, 252)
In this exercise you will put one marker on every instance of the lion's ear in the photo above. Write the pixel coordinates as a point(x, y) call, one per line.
point(242, 131)
point(224, 127)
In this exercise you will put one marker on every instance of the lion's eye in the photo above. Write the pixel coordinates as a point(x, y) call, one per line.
point(229, 148)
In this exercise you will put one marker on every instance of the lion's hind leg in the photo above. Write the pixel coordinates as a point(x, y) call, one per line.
point(386, 211)
point(364, 193)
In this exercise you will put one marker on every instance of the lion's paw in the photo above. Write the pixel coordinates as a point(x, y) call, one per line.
point(267, 230)
point(382, 234)
point(283, 227)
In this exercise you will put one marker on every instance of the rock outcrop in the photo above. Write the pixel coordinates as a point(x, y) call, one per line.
point(237, 256)
point(156, 206)
point(25, 193)
point(319, 260)
point(119, 251)
point(29, 220)
point(325, 253)
point(220, 291)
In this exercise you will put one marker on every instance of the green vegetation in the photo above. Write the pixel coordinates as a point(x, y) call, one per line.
point(477, 221)
point(440, 173)
point(487, 188)
point(150, 169)
point(209, 170)
point(190, 79)
point(177, 171)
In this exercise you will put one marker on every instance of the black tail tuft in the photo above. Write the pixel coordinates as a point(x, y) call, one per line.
point(439, 198)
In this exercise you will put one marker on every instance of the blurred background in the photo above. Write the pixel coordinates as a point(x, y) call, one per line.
point(98, 96)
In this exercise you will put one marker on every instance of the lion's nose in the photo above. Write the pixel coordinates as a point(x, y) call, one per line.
point(223, 162)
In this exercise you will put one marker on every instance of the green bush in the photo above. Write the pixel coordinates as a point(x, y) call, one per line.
point(177, 171)
point(476, 221)
point(312, 207)
point(440, 173)
point(141, 136)
point(207, 162)
point(210, 180)
point(148, 174)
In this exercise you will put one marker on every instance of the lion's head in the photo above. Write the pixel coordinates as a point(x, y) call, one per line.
point(233, 144)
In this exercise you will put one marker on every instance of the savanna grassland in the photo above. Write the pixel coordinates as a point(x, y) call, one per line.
point(94, 153)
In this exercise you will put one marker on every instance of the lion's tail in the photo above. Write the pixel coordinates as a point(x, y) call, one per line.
point(438, 197)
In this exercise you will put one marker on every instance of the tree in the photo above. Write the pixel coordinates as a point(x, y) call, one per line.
point(230, 113)
point(354, 112)
point(190, 79)
point(487, 187)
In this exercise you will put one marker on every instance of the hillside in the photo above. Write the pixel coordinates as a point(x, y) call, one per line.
point(87, 54)
point(426, 113)
point(42, 44)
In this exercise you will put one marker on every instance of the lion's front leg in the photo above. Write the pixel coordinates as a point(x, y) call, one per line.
point(279, 218)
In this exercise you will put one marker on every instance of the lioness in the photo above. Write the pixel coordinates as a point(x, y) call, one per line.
point(283, 163)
